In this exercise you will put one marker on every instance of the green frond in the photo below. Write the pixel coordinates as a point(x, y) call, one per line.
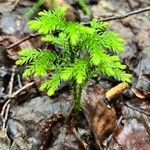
point(81, 71)
point(35, 6)
point(61, 40)
point(84, 52)
point(38, 68)
point(67, 73)
point(39, 61)
point(76, 70)
point(99, 26)
point(76, 31)
point(48, 21)
point(51, 84)
point(115, 70)
point(27, 55)
point(29, 71)
point(112, 41)
point(97, 53)
point(95, 56)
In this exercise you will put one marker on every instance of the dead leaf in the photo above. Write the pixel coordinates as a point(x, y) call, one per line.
point(133, 132)
point(138, 93)
point(101, 119)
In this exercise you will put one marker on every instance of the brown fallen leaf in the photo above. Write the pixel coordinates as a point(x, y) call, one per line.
point(101, 118)
point(138, 93)
point(133, 132)
point(8, 40)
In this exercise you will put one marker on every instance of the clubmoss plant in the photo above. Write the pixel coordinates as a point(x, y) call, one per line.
point(84, 52)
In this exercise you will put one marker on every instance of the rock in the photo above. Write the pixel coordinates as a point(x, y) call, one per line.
point(13, 24)
point(8, 5)
point(143, 72)
point(67, 139)
point(26, 120)
point(125, 32)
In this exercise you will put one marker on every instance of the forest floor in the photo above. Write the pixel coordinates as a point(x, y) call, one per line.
point(31, 120)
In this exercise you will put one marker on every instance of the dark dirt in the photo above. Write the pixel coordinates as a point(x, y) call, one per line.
point(36, 121)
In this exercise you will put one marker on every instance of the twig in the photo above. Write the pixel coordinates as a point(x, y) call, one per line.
point(11, 81)
point(6, 116)
point(10, 91)
point(128, 14)
point(23, 88)
point(19, 81)
point(116, 90)
point(87, 23)
point(136, 109)
point(123, 16)
point(18, 91)
point(5, 110)
point(23, 40)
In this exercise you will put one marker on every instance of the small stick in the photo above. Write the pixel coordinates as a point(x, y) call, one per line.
point(19, 81)
point(127, 15)
point(18, 91)
point(123, 16)
point(11, 81)
point(23, 40)
point(23, 88)
point(6, 106)
point(5, 109)
point(116, 90)
point(6, 116)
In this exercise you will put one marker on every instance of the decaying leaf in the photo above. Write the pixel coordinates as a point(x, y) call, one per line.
point(137, 93)
point(133, 132)
point(101, 118)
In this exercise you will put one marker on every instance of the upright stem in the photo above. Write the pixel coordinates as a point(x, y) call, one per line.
point(77, 89)
point(77, 98)
point(74, 88)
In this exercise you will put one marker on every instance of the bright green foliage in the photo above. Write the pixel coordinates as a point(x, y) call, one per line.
point(84, 52)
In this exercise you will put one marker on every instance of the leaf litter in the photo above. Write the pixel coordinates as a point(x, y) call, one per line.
point(34, 120)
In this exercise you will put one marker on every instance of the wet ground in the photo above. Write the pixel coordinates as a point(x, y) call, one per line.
point(30, 120)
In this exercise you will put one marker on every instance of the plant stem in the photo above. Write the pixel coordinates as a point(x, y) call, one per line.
point(77, 98)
